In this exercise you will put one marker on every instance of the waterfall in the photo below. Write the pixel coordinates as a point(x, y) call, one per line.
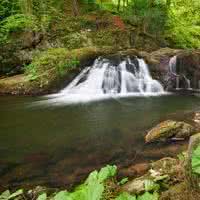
point(178, 76)
point(104, 79)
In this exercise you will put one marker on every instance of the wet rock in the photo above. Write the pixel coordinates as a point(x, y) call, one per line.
point(193, 178)
point(169, 130)
point(134, 170)
point(167, 170)
point(161, 150)
point(187, 65)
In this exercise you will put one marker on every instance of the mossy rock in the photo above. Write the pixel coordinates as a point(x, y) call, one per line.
point(166, 172)
point(169, 130)
point(51, 71)
point(180, 191)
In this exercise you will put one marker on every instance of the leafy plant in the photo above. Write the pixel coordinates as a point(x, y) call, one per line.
point(53, 59)
point(123, 181)
point(148, 196)
point(125, 196)
point(151, 186)
point(196, 160)
point(42, 196)
point(16, 23)
point(7, 195)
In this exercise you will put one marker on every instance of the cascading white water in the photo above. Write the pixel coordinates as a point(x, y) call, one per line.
point(104, 80)
point(173, 71)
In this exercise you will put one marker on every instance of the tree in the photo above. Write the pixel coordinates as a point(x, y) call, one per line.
point(75, 8)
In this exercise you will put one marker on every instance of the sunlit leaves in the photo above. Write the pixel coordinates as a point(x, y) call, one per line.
point(196, 160)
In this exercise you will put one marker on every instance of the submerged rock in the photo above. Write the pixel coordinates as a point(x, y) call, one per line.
point(169, 129)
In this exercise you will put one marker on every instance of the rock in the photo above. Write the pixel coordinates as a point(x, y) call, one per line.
point(193, 179)
point(180, 191)
point(169, 167)
point(134, 170)
point(160, 150)
point(19, 51)
point(169, 129)
point(167, 170)
point(51, 81)
point(188, 65)
point(136, 186)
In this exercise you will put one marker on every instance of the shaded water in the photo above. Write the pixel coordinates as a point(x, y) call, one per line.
point(59, 145)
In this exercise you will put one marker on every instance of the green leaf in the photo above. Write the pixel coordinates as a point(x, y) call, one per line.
point(107, 172)
point(62, 195)
point(151, 185)
point(42, 196)
point(123, 181)
point(148, 196)
point(5, 195)
point(93, 176)
point(15, 194)
point(91, 191)
point(160, 178)
point(196, 160)
point(125, 196)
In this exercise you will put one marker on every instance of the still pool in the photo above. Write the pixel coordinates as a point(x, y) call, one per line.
point(58, 145)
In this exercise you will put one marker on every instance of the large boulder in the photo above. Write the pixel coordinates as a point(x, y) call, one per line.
point(169, 129)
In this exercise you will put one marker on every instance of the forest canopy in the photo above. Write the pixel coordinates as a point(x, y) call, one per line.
point(177, 21)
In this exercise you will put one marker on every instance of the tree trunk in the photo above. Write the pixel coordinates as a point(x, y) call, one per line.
point(75, 8)
point(118, 5)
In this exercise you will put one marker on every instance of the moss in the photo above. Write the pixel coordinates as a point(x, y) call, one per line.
point(180, 192)
point(50, 70)
point(111, 37)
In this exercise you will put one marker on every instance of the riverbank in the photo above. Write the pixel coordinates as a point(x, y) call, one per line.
point(55, 68)
point(164, 179)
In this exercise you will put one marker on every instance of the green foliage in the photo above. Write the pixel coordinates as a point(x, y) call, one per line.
point(183, 26)
point(196, 161)
point(151, 186)
point(74, 40)
point(7, 195)
point(123, 181)
point(145, 196)
point(93, 187)
point(182, 156)
point(42, 196)
point(125, 196)
point(107, 172)
point(16, 23)
point(148, 196)
point(63, 195)
point(52, 59)
point(7, 8)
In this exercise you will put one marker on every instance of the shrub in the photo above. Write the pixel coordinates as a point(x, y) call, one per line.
point(54, 59)
point(16, 23)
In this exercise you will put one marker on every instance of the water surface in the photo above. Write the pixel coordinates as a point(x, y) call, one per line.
point(59, 145)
